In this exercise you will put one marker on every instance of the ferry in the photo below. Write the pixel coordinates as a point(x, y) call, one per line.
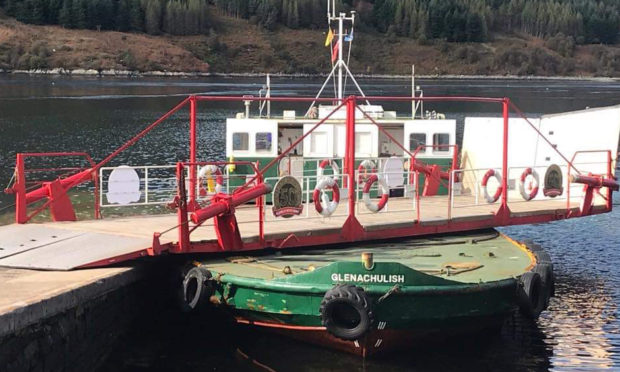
point(337, 176)
point(378, 298)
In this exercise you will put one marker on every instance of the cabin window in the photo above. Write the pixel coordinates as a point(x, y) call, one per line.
point(263, 141)
point(363, 143)
point(241, 141)
point(441, 142)
point(416, 140)
point(318, 143)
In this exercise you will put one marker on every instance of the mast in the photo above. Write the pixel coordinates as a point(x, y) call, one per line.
point(341, 17)
point(340, 63)
point(340, 68)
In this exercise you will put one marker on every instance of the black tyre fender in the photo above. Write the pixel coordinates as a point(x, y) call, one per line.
point(531, 296)
point(196, 288)
point(529, 243)
point(546, 276)
point(346, 312)
point(542, 257)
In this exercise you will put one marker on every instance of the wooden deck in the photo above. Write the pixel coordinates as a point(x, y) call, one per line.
point(67, 245)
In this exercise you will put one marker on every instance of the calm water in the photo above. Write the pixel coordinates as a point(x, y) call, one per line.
point(580, 331)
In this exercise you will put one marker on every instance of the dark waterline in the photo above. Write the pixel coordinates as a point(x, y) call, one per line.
point(580, 331)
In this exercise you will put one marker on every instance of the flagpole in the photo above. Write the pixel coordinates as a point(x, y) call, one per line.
point(340, 61)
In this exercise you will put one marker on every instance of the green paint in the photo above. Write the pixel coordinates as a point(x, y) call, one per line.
point(258, 289)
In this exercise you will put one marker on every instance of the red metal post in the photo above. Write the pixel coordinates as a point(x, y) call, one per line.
point(611, 177)
point(505, 104)
point(182, 210)
point(192, 153)
point(417, 196)
point(97, 206)
point(350, 152)
point(261, 207)
point(20, 191)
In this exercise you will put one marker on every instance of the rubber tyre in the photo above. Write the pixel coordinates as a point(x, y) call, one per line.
point(533, 246)
point(343, 300)
point(196, 289)
point(546, 276)
point(531, 296)
point(543, 258)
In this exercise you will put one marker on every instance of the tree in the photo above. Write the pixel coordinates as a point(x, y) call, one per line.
point(78, 14)
point(152, 17)
point(65, 18)
point(136, 16)
point(123, 18)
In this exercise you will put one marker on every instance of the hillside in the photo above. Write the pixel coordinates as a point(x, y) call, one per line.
point(238, 46)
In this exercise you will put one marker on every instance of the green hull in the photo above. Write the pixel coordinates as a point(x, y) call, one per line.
point(428, 286)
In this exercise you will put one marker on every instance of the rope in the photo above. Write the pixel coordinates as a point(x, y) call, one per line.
point(254, 361)
point(11, 180)
point(7, 207)
point(394, 289)
point(259, 264)
point(346, 76)
point(173, 227)
point(331, 59)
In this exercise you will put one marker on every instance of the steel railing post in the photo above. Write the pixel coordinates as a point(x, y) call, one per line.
point(20, 190)
point(192, 152)
point(350, 152)
point(183, 222)
point(146, 184)
point(505, 103)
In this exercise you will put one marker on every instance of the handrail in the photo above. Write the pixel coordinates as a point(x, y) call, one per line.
point(25, 196)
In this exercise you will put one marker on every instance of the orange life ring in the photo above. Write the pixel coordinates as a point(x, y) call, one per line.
point(207, 173)
point(385, 193)
point(536, 181)
point(321, 202)
point(491, 173)
point(365, 170)
point(332, 164)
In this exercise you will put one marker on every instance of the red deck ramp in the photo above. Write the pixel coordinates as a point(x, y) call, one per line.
point(34, 246)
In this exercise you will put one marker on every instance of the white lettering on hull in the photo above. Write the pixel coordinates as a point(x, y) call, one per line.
point(368, 278)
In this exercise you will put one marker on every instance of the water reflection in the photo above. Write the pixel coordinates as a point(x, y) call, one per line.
point(580, 330)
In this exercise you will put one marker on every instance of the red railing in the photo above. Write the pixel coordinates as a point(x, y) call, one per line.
point(54, 190)
point(189, 203)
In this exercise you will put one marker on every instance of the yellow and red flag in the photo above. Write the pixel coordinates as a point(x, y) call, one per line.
point(329, 38)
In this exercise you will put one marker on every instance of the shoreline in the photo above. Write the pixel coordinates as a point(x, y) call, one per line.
point(141, 74)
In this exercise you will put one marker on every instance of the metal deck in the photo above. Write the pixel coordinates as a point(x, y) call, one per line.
point(245, 221)
point(491, 258)
point(70, 245)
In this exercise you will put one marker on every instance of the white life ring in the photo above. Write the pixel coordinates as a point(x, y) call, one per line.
point(491, 173)
point(385, 193)
point(365, 170)
point(535, 182)
point(332, 164)
point(321, 200)
point(208, 173)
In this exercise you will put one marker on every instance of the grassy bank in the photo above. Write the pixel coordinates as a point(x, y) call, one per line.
point(237, 46)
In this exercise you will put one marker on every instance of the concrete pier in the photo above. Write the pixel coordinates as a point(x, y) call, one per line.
point(65, 321)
